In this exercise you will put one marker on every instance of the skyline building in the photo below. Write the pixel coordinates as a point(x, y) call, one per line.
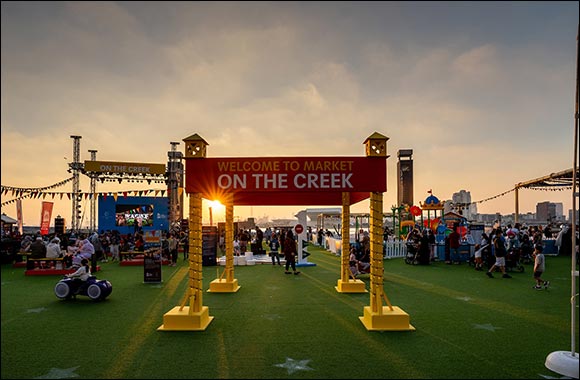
point(405, 177)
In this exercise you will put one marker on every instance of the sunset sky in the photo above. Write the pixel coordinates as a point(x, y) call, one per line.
point(483, 92)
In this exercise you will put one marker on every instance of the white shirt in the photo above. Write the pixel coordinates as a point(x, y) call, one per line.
point(52, 250)
point(81, 273)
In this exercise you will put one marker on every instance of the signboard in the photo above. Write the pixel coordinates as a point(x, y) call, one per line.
point(287, 180)
point(152, 267)
point(124, 167)
point(299, 229)
point(209, 244)
point(153, 237)
point(152, 260)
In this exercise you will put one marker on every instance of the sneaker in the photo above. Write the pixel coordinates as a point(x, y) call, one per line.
point(489, 274)
point(287, 272)
point(506, 276)
point(296, 272)
point(546, 284)
point(537, 287)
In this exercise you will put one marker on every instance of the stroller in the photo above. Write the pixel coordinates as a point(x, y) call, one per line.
point(412, 256)
point(512, 261)
point(526, 253)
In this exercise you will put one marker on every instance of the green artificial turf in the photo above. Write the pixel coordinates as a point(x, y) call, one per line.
point(287, 326)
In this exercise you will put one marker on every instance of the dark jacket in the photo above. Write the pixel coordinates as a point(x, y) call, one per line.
point(37, 249)
point(289, 248)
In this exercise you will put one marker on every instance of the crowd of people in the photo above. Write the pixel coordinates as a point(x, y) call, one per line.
point(500, 250)
point(96, 247)
point(496, 250)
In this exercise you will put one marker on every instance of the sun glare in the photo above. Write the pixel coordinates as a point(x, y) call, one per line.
point(215, 204)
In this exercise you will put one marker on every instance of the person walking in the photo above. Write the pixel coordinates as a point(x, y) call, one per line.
point(114, 247)
point(274, 246)
point(500, 254)
point(185, 243)
point(539, 268)
point(98, 246)
point(173, 243)
point(454, 244)
point(290, 252)
point(486, 256)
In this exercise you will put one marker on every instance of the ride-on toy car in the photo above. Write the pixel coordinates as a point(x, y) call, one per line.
point(95, 289)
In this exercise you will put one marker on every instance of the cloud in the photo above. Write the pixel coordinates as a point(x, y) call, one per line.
point(275, 80)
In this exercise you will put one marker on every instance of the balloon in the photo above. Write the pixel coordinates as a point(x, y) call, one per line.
point(415, 211)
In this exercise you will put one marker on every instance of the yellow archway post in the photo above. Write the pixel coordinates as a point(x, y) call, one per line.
point(228, 284)
point(376, 316)
point(194, 317)
point(347, 283)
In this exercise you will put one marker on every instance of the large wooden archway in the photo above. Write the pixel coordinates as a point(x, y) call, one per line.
point(281, 181)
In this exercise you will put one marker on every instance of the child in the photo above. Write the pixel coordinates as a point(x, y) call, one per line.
point(539, 268)
point(478, 261)
point(82, 273)
point(81, 276)
point(237, 249)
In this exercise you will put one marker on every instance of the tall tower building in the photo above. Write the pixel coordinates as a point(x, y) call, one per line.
point(175, 172)
point(405, 177)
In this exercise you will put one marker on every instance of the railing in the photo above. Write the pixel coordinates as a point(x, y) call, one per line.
point(395, 249)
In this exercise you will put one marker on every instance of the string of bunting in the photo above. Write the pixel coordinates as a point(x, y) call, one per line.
point(29, 192)
point(114, 194)
point(495, 196)
point(20, 190)
point(530, 187)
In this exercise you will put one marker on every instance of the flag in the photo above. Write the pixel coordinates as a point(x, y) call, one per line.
point(45, 217)
point(19, 215)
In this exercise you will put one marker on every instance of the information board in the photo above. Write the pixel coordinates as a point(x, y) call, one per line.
point(209, 244)
point(152, 267)
point(152, 259)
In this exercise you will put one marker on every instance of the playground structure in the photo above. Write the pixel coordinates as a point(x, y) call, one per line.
point(432, 204)
point(405, 216)
point(286, 181)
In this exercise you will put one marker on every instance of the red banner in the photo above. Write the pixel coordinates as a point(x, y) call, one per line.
point(45, 217)
point(287, 180)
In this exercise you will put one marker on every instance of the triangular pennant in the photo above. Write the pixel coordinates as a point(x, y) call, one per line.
point(115, 195)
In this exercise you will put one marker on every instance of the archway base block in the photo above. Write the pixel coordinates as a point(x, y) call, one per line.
point(223, 286)
point(350, 286)
point(183, 320)
point(388, 320)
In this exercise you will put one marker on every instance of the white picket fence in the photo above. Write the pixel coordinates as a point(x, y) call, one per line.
point(395, 249)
